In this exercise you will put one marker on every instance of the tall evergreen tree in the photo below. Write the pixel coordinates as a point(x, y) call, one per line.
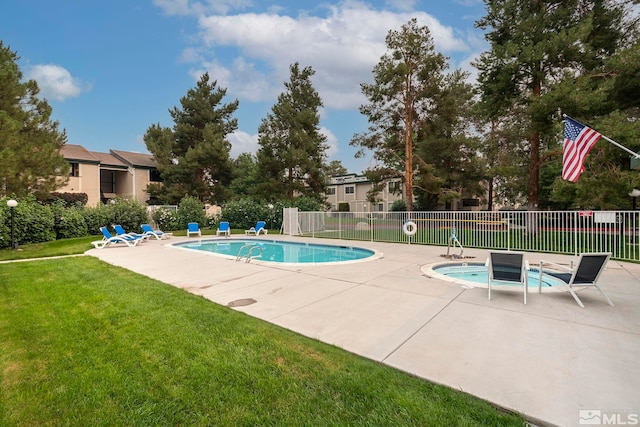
point(30, 142)
point(448, 165)
point(335, 167)
point(292, 149)
point(415, 108)
point(534, 45)
point(194, 157)
point(246, 178)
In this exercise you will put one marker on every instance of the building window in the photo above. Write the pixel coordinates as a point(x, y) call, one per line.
point(395, 187)
point(154, 175)
point(349, 189)
point(470, 202)
point(380, 207)
point(331, 191)
point(75, 169)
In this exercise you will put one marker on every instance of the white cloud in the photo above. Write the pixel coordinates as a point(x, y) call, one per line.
point(55, 82)
point(342, 47)
point(242, 142)
point(332, 141)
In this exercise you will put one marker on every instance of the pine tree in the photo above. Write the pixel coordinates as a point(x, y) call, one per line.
point(30, 142)
point(534, 45)
point(414, 108)
point(194, 157)
point(292, 148)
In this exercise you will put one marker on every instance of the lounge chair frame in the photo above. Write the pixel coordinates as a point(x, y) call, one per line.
point(193, 228)
point(224, 228)
point(507, 267)
point(260, 227)
point(587, 272)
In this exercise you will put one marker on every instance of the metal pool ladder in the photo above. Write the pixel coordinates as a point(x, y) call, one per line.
point(249, 255)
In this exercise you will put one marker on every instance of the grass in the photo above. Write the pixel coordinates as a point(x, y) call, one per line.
point(48, 249)
point(86, 343)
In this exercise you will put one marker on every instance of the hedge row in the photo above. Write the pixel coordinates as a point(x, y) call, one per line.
point(42, 221)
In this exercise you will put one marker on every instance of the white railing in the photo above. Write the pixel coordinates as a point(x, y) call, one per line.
point(569, 232)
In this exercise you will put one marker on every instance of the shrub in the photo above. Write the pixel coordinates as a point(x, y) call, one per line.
point(96, 217)
point(398, 206)
point(33, 222)
point(244, 213)
point(68, 199)
point(68, 221)
point(129, 213)
point(165, 219)
point(190, 209)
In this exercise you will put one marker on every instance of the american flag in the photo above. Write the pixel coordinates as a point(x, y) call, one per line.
point(578, 141)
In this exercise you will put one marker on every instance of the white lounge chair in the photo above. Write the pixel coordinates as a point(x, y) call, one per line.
point(259, 228)
point(109, 240)
point(193, 228)
point(158, 234)
point(224, 228)
point(122, 233)
point(586, 273)
point(507, 267)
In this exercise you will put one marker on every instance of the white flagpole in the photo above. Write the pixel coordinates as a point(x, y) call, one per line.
point(636, 155)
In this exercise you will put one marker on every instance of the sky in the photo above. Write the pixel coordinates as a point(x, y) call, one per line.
point(110, 69)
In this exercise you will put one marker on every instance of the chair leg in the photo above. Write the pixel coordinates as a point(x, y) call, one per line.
point(604, 295)
point(575, 297)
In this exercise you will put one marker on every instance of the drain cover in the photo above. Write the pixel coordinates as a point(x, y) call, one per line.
point(241, 302)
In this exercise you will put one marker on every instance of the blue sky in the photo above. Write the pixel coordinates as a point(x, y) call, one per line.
point(110, 69)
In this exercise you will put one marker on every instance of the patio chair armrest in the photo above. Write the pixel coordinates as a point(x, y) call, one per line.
point(553, 264)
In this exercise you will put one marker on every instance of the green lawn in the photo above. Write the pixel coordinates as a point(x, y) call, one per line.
point(85, 343)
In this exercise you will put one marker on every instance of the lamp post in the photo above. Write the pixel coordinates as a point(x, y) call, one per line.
point(12, 204)
point(270, 206)
point(635, 193)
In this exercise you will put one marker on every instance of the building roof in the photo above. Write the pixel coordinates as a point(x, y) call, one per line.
point(108, 160)
point(78, 153)
point(114, 158)
point(135, 159)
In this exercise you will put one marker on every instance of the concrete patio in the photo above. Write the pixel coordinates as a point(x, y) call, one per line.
point(549, 359)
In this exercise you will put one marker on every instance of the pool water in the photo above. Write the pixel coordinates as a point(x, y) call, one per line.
point(478, 273)
point(281, 252)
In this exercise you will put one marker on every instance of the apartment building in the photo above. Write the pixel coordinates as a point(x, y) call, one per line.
point(352, 189)
point(104, 176)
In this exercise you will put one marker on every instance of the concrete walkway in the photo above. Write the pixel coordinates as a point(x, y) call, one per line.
point(549, 359)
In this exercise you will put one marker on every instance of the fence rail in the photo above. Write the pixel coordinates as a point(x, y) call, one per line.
point(568, 232)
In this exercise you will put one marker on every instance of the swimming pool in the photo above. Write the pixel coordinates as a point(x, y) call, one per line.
point(475, 274)
point(277, 251)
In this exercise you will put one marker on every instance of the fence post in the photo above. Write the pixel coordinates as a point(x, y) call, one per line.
point(371, 225)
point(576, 235)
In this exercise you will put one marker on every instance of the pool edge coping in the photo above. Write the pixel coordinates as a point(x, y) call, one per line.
point(176, 245)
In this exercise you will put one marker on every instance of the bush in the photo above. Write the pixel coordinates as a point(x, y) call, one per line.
point(244, 213)
point(129, 213)
point(190, 209)
point(165, 219)
point(68, 199)
point(96, 217)
point(398, 206)
point(33, 222)
point(68, 222)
